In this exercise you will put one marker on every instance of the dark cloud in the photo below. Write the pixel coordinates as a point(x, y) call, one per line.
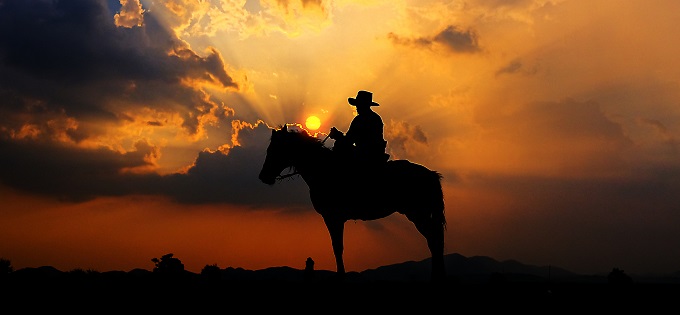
point(70, 173)
point(458, 40)
point(452, 37)
point(69, 56)
point(75, 174)
point(233, 179)
point(517, 66)
point(217, 177)
point(512, 67)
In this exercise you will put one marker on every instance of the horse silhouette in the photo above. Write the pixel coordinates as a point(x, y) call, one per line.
point(341, 191)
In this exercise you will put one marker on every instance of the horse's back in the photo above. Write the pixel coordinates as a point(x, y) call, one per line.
point(406, 168)
point(414, 190)
point(403, 176)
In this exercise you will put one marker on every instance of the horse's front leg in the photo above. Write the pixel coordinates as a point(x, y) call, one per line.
point(336, 229)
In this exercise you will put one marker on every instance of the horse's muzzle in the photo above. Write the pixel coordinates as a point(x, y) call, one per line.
point(269, 180)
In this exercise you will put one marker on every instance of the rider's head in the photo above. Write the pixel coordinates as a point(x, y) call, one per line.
point(363, 99)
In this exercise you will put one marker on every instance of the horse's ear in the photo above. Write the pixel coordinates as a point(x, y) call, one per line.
point(285, 128)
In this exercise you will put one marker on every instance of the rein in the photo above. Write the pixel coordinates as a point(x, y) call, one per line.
point(282, 177)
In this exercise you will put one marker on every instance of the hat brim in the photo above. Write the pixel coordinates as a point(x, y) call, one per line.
point(354, 102)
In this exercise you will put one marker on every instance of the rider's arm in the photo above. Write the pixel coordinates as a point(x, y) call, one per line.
point(335, 134)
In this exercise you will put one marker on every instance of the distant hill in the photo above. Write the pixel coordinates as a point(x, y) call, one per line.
point(469, 270)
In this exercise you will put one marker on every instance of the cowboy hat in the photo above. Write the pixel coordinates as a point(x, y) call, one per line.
point(363, 98)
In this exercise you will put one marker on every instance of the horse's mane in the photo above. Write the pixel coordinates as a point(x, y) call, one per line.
point(304, 137)
point(302, 140)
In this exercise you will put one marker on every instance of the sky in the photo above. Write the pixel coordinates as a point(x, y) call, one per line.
point(131, 129)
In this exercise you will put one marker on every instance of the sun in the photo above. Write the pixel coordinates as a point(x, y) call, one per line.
point(313, 123)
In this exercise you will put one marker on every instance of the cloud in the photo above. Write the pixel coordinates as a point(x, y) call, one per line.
point(458, 40)
point(227, 176)
point(253, 18)
point(231, 176)
point(69, 58)
point(131, 14)
point(404, 140)
point(453, 38)
point(513, 67)
point(69, 172)
point(89, 108)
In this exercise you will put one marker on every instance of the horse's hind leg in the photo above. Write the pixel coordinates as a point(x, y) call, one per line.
point(336, 230)
point(434, 234)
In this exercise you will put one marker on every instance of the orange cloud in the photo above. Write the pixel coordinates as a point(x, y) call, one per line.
point(404, 141)
point(131, 14)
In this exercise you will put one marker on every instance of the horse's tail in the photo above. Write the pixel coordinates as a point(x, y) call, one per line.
point(439, 211)
point(428, 189)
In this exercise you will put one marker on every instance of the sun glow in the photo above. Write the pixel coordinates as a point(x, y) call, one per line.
point(313, 123)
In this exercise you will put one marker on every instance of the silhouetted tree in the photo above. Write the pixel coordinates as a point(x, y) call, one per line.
point(211, 272)
point(81, 274)
point(617, 276)
point(5, 267)
point(168, 264)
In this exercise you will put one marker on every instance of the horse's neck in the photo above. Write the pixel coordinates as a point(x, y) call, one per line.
point(314, 166)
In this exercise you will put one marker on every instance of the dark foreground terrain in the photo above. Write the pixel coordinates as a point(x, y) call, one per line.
point(287, 289)
point(473, 284)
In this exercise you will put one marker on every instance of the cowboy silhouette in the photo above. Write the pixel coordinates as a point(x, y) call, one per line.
point(363, 143)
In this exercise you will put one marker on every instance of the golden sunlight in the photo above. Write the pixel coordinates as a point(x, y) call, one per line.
point(313, 123)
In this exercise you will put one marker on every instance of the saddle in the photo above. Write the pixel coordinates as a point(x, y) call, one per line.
point(361, 171)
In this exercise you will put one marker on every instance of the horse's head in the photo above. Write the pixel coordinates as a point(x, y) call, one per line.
point(291, 149)
point(278, 156)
